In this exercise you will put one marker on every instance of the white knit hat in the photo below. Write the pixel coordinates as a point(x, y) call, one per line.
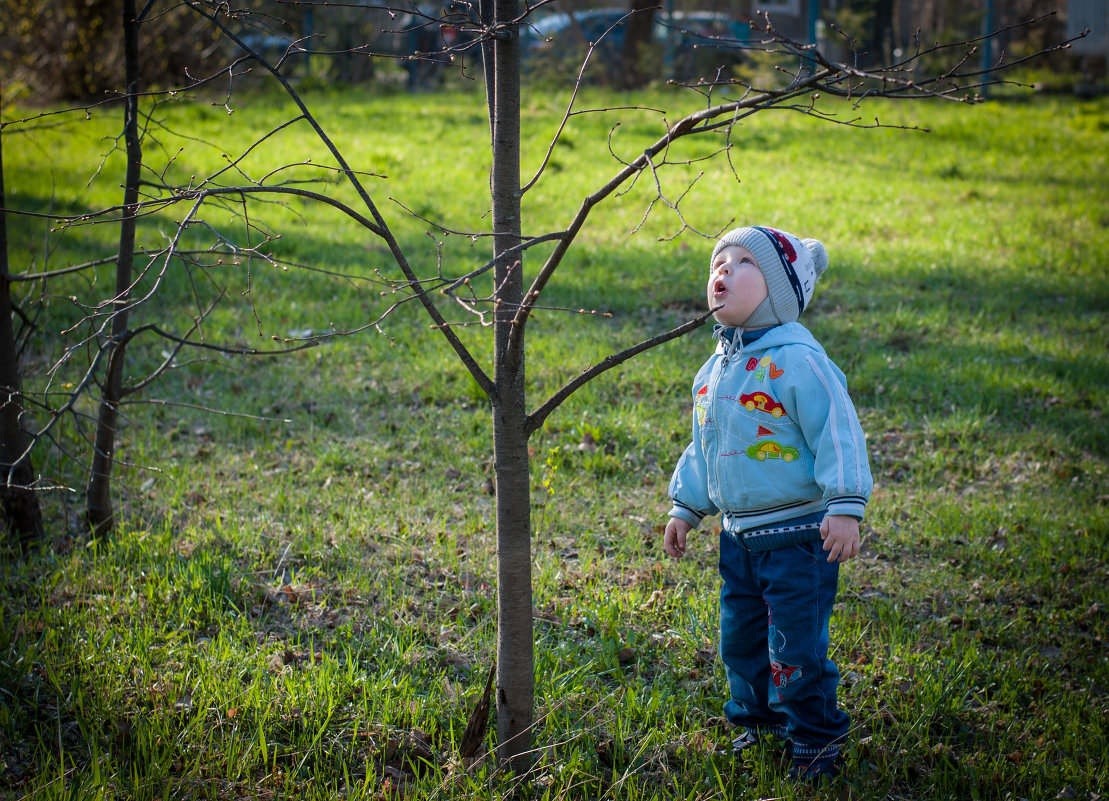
point(791, 267)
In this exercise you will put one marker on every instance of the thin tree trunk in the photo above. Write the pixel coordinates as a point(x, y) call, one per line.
point(98, 496)
point(637, 37)
point(17, 474)
point(515, 657)
point(882, 47)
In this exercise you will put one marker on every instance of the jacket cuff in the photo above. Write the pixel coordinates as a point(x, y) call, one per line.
point(688, 515)
point(852, 506)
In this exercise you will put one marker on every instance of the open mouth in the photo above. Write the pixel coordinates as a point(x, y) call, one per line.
point(718, 288)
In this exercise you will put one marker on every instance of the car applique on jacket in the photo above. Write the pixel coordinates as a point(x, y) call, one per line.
point(772, 450)
point(699, 405)
point(762, 402)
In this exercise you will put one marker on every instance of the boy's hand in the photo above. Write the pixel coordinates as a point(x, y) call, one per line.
point(841, 537)
point(673, 541)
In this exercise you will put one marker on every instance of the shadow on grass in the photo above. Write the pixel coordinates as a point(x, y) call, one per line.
point(976, 343)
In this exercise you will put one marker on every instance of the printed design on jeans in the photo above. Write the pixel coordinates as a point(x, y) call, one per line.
point(765, 432)
point(701, 405)
point(762, 402)
point(780, 673)
point(760, 367)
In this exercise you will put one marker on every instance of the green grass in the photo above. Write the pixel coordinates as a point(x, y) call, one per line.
point(307, 608)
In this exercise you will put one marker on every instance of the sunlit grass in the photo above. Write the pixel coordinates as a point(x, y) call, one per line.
point(306, 608)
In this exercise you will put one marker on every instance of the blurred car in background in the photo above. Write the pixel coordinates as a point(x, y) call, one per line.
point(684, 45)
point(698, 43)
point(560, 33)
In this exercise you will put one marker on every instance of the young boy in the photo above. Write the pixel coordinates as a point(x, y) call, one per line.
point(777, 450)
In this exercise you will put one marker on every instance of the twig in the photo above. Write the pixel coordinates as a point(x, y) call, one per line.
point(535, 419)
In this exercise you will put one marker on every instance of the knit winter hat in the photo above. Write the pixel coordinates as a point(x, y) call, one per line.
point(791, 267)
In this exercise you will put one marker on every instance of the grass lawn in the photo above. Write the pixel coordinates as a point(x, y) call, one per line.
point(300, 602)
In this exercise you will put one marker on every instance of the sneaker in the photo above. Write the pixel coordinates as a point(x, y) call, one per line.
point(743, 742)
point(748, 739)
point(816, 771)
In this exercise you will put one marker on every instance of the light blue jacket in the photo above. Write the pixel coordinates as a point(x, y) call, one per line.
point(775, 435)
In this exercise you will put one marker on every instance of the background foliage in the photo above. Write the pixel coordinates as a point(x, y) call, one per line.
point(72, 49)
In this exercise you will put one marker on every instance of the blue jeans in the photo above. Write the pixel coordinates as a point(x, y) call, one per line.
point(774, 611)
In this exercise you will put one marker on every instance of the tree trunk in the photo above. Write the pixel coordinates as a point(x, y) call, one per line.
point(637, 37)
point(882, 47)
point(98, 495)
point(515, 657)
point(17, 474)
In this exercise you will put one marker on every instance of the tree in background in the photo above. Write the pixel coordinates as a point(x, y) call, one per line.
point(72, 49)
point(637, 38)
point(98, 493)
point(17, 474)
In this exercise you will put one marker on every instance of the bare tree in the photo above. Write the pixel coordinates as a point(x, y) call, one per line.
point(104, 331)
point(17, 474)
point(98, 494)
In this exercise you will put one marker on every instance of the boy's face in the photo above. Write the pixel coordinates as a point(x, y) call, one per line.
point(736, 284)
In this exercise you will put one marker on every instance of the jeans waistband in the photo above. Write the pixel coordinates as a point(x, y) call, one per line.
point(780, 535)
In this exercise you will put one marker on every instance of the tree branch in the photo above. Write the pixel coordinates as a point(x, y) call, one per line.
point(536, 418)
point(383, 231)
